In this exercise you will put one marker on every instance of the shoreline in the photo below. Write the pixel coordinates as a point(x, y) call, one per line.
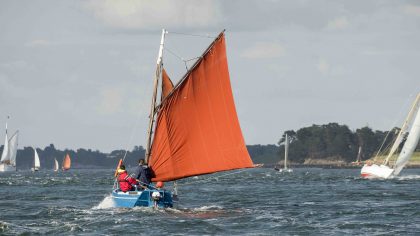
point(334, 166)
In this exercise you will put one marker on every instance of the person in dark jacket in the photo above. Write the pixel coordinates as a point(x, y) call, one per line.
point(143, 173)
point(125, 182)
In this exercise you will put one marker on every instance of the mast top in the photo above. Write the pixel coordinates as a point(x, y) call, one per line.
point(162, 40)
point(8, 117)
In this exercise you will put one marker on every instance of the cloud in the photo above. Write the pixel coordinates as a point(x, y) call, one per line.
point(384, 52)
point(112, 99)
point(145, 14)
point(16, 65)
point(38, 43)
point(323, 66)
point(263, 50)
point(411, 10)
point(338, 24)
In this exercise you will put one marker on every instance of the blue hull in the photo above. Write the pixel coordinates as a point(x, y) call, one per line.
point(142, 198)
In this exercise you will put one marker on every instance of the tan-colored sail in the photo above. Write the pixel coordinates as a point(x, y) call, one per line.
point(197, 130)
point(66, 163)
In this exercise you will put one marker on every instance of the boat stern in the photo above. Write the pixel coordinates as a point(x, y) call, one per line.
point(147, 198)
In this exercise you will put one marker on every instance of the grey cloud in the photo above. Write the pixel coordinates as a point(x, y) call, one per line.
point(61, 66)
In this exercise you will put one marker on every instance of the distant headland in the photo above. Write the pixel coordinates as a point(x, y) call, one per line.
point(331, 145)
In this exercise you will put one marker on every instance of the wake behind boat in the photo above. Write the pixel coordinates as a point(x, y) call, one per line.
point(194, 130)
point(410, 130)
point(8, 156)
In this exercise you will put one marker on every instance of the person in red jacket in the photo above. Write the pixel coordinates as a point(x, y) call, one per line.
point(125, 182)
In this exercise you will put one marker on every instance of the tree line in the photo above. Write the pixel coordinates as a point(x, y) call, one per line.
point(336, 142)
point(331, 141)
point(80, 158)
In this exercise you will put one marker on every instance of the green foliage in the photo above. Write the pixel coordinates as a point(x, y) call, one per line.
point(81, 158)
point(335, 142)
point(331, 141)
point(263, 153)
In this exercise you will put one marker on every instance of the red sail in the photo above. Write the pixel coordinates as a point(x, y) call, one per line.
point(197, 128)
point(66, 162)
point(167, 85)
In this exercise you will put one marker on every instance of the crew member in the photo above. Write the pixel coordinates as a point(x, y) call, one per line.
point(125, 182)
point(143, 173)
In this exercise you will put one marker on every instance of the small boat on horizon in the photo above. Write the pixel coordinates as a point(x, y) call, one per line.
point(66, 163)
point(8, 156)
point(37, 163)
point(411, 131)
point(358, 161)
point(56, 166)
point(286, 154)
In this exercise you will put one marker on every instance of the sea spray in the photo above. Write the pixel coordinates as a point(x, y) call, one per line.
point(106, 203)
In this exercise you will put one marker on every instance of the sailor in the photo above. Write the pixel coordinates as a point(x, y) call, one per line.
point(159, 185)
point(125, 182)
point(143, 174)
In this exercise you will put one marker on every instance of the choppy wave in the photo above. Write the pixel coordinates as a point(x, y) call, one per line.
point(257, 201)
point(407, 177)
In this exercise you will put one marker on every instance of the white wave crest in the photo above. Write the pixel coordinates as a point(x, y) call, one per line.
point(407, 177)
point(207, 208)
point(106, 203)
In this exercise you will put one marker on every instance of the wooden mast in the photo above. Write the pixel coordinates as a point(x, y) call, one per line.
point(158, 75)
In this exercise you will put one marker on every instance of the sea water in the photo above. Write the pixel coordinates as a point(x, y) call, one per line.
point(257, 201)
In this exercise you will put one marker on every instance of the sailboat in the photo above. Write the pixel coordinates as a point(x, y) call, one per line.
point(411, 130)
point(358, 161)
point(194, 130)
point(8, 157)
point(286, 154)
point(56, 165)
point(37, 163)
point(66, 163)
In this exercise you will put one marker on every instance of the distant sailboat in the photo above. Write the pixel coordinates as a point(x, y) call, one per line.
point(66, 163)
point(358, 161)
point(8, 157)
point(286, 154)
point(37, 163)
point(56, 166)
point(412, 127)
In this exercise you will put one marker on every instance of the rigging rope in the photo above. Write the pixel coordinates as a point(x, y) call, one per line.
point(128, 144)
point(174, 54)
point(181, 58)
point(131, 137)
point(193, 35)
point(393, 125)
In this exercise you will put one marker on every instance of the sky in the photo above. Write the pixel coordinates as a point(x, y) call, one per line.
point(79, 74)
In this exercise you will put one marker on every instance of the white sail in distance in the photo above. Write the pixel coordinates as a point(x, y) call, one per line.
point(37, 163)
point(286, 151)
point(409, 145)
point(4, 155)
point(13, 145)
point(56, 166)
